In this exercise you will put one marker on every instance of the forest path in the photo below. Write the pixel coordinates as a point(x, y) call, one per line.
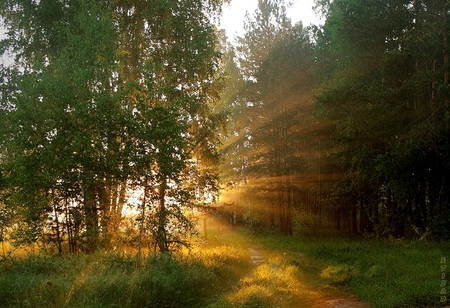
point(273, 278)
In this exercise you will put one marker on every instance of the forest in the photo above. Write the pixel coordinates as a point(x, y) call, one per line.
point(148, 160)
point(123, 121)
point(345, 125)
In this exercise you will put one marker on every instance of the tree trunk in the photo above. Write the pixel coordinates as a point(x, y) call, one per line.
point(141, 224)
point(116, 204)
point(446, 66)
point(362, 215)
point(281, 210)
point(161, 237)
point(272, 214)
point(70, 228)
point(289, 212)
point(337, 219)
point(91, 218)
point(354, 219)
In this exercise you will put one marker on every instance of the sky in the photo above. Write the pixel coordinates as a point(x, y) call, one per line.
point(234, 14)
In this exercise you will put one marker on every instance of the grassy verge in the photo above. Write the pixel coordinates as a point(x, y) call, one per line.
point(115, 280)
point(385, 274)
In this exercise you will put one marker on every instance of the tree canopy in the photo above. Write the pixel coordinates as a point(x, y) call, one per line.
point(104, 97)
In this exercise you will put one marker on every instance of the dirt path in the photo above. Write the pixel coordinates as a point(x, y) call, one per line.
point(275, 279)
point(343, 303)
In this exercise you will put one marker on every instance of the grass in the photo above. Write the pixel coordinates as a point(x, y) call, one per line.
point(274, 283)
point(114, 280)
point(217, 273)
point(385, 274)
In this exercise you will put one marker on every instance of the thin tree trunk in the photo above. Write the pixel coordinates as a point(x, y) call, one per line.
point(161, 237)
point(69, 228)
point(272, 214)
point(354, 219)
point(337, 219)
point(446, 66)
point(141, 225)
point(91, 218)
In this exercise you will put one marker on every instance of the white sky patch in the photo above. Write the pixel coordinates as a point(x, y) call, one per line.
point(233, 15)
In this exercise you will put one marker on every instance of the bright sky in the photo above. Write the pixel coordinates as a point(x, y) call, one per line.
point(234, 14)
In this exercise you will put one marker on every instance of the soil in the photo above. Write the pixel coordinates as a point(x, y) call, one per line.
point(342, 303)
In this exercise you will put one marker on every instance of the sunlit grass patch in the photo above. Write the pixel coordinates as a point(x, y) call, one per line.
point(8, 249)
point(253, 295)
point(215, 257)
point(272, 284)
point(337, 274)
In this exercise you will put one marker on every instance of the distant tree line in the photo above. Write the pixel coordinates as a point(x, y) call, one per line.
point(344, 124)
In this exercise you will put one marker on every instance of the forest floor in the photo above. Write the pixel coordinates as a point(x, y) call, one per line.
point(273, 278)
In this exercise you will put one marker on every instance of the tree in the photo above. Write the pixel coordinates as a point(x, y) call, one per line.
point(58, 130)
point(101, 96)
point(175, 66)
point(380, 92)
point(275, 59)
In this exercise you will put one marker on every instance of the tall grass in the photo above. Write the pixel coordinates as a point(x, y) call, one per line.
point(115, 280)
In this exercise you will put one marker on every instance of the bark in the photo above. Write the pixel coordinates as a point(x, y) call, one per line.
point(161, 237)
point(446, 66)
point(337, 219)
point(354, 219)
point(91, 218)
point(272, 214)
point(141, 224)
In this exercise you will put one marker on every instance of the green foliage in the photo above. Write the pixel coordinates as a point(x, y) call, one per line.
point(388, 144)
point(103, 96)
point(306, 225)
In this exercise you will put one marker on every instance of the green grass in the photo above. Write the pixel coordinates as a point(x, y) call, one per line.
point(385, 274)
point(297, 272)
point(115, 280)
